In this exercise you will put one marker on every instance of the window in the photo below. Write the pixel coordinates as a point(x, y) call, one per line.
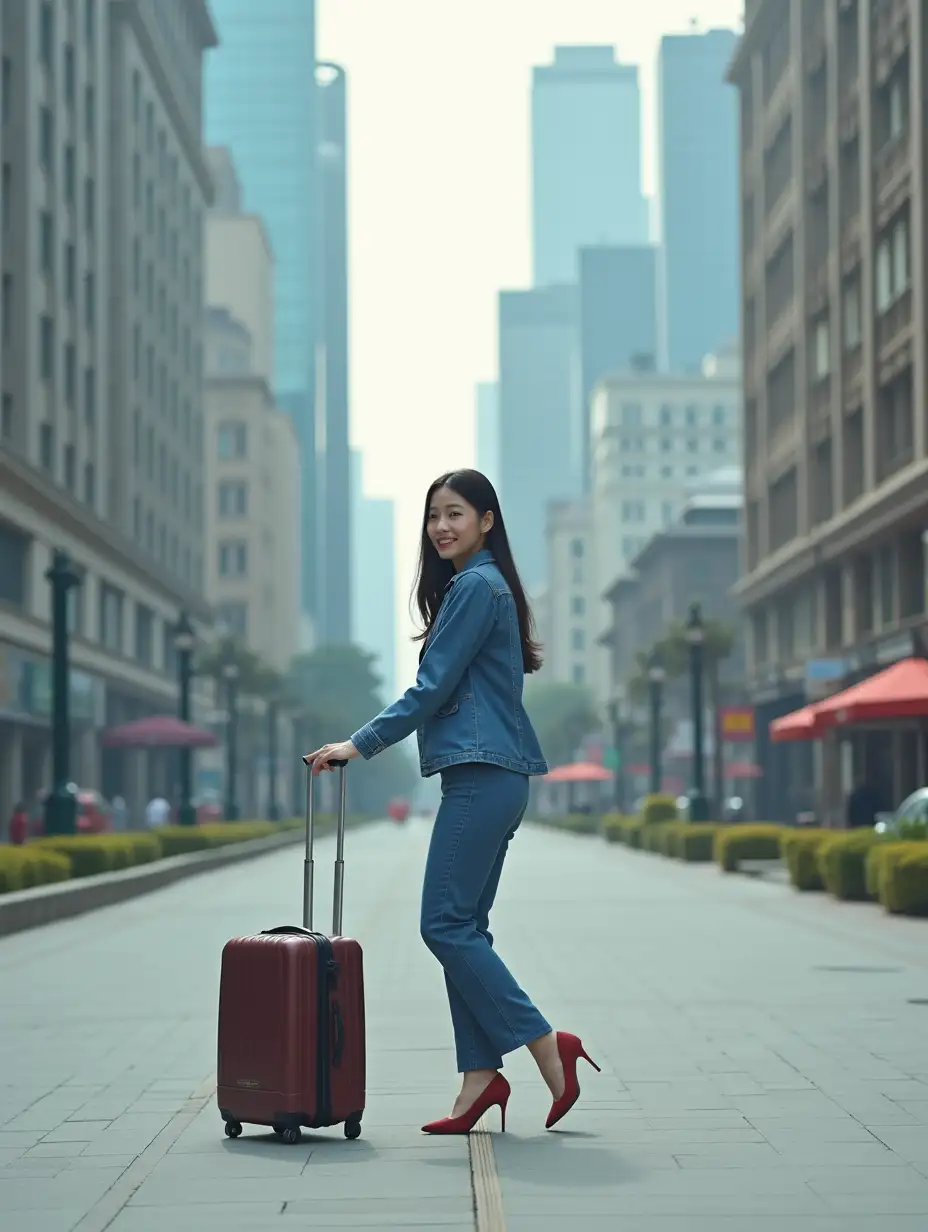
point(578, 605)
point(70, 373)
point(14, 551)
point(692, 445)
point(692, 416)
point(851, 311)
point(46, 348)
point(7, 307)
point(633, 511)
point(46, 445)
point(70, 468)
point(579, 673)
point(90, 301)
point(90, 485)
point(578, 639)
point(136, 438)
point(47, 35)
point(821, 361)
point(144, 635)
point(70, 273)
point(234, 616)
point(666, 416)
point(900, 239)
point(90, 111)
point(719, 445)
point(90, 199)
point(892, 264)
point(576, 547)
point(232, 440)
point(6, 418)
point(136, 96)
point(46, 138)
point(718, 416)
point(90, 22)
point(631, 415)
point(667, 512)
point(233, 498)
point(69, 90)
point(7, 89)
point(90, 395)
point(76, 602)
point(70, 181)
point(233, 558)
point(150, 531)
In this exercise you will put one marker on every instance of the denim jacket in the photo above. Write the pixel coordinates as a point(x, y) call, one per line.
point(466, 704)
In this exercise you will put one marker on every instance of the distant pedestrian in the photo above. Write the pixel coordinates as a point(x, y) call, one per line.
point(466, 708)
point(157, 812)
point(19, 824)
point(120, 814)
point(862, 805)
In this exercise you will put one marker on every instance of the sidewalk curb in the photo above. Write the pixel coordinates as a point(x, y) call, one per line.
point(25, 909)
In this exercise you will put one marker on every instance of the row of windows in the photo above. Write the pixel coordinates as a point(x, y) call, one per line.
point(161, 390)
point(666, 472)
point(164, 545)
point(674, 444)
point(634, 415)
point(81, 484)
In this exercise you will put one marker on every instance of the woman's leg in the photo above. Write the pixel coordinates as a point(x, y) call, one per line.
point(481, 808)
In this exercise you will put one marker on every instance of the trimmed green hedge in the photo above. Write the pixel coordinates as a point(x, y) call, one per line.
point(658, 808)
point(756, 841)
point(842, 862)
point(903, 877)
point(692, 842)
point(21, 868)
point(620, 829)
point(91, 854)
point(800, 849)
point(573, 823)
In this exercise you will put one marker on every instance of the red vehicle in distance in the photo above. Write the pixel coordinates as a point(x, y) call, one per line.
point(398, 810)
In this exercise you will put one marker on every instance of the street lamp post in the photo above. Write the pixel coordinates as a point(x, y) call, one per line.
point(61, 802)
point(230, 675)
point(184, 643)
point(273, 808)
point(656, 676)
point(696, 636)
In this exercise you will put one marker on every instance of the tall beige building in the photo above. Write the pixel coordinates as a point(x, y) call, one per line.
point(834, 133)
point(104, 185)
point(252, 460)
point(570, 609)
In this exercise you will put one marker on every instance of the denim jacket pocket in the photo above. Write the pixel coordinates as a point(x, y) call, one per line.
point(450, 708)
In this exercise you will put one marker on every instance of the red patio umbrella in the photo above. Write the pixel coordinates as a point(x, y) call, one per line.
point(802, 724)
point(579, 772)
point(899, 692)
point(160, 731)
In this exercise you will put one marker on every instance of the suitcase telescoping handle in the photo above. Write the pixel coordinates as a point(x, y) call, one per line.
point(308, 871)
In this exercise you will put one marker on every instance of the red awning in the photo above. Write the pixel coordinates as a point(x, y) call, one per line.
point(743, 770)
point(579, 772)
point(899, 692)
point(802, 724)
point(161, 731)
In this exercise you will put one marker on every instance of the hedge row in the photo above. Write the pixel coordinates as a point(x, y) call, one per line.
point(61, 857)
point(851, 865)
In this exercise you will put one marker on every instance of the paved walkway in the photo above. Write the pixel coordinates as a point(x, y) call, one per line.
point(765, 1059)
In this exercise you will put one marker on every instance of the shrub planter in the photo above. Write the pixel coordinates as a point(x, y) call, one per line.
point(842, 862)
point(746, 842)
point(800, 850)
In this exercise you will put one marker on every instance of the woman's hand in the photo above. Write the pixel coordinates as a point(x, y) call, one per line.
point(321, 759)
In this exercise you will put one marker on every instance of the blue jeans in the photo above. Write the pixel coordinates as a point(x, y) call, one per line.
point(481, 808)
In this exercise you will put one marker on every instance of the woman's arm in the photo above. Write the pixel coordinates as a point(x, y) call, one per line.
point(470, 610)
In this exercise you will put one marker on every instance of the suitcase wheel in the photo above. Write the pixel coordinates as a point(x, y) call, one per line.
point(288, 1133)
point(233, 1129)
point(353, 1126)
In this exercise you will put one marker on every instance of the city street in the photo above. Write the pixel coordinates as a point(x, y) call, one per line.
point(765, 1058)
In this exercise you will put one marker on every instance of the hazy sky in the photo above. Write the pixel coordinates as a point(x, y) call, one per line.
point(440, 220)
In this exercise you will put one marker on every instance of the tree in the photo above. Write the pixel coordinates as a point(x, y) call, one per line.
point(562, 715)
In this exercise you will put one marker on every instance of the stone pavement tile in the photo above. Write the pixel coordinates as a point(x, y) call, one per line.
point(31, 1169)
point(918, 1109)
point(76, 1131)
point(846, 1180)
point(796, 1132)
point(57, 1150)
point(909, 1142)
point(722, 1223)
point(888, 1202)
point(19, 1139)
point(66, 1190)
point(402, 1212)
point(247, 1216)
point(840, 1154)
point(41, 1221)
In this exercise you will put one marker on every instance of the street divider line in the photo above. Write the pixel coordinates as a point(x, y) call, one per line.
point(489, 1212)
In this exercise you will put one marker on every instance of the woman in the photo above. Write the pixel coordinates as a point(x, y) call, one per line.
point(472, 728)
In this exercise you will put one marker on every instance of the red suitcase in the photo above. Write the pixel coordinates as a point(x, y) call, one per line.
point(291, 1017)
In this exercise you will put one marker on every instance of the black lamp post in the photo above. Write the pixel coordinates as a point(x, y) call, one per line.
point(656, 676)
point(61, 802)
point(184, 643)
point(696, 636)
point(230, 675)
point(273, 808)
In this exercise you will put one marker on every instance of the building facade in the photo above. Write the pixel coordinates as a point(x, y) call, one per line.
point(586, 159)
point(569, 610)
point(617, 319)
point(834, 126)
point(262, 103)
point(540, 424)
point(698, 172)
point(252, 484)
point(654, 434)
point(333, 542)
point(104, 185)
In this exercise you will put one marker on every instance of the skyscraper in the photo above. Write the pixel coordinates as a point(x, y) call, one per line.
point(333, 540)
point(373, 568)
point(586, 159)
point(617, 319)
point(540, 427)
point(261, 102)
point(698, 154)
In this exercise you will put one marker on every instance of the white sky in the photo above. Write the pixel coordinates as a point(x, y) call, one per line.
point(439, 199)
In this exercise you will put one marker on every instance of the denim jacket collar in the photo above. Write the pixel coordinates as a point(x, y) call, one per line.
point(483, 557)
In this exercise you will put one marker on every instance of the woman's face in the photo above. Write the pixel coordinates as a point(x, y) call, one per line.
point(455, 528)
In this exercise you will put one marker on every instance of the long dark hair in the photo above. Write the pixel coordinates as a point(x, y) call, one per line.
point(433, 574)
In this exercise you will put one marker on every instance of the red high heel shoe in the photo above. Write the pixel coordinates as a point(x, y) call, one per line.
point(570, 1050)
point(497, 1091)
